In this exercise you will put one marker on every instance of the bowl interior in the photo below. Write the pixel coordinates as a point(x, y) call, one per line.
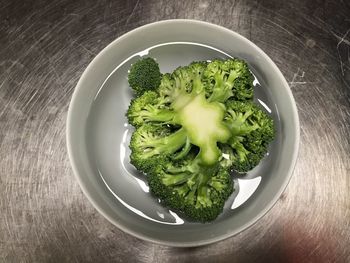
point(98, 133)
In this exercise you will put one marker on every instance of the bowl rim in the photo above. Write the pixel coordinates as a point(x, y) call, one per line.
point(209, 240)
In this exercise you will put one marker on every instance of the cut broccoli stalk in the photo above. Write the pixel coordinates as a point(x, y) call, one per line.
point(202, 121)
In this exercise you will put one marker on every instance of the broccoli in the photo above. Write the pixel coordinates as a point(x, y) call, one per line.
point(197, 125)
point(199, 192)
point(228, 79)
point(252, 130)
point(148, 108)
point(150, 144)
point(144, 75)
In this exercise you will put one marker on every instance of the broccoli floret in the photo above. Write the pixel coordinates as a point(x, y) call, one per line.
point(150, 107)
point(228, 79)
point(188, 187)
point(167, 85)
point(183, 79)
point(144, 75)
point(151, 144)
point(252, 130)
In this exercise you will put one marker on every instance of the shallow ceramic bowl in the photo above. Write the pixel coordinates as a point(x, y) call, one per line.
point(98, 133)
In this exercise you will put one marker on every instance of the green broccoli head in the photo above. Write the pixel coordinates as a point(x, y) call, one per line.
point(149, 108)
point(144, 75)
point(228, 79)
point(186, 79)
point(259, 139)
point(252, 130)
point(189, 188)
point(152, 144)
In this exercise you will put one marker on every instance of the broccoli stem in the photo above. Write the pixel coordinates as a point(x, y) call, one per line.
point(158, 115)
point(176, 179)
point(203, 197)
point(185, 150)
point(165, 145)
point(236, 144)
point(202, 121)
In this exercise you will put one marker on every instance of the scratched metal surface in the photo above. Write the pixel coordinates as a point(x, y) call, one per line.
point(44, 48)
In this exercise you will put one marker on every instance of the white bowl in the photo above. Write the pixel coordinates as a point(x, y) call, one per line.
point(97, 133)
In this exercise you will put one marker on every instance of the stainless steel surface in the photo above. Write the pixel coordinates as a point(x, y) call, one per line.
point(44, 48)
